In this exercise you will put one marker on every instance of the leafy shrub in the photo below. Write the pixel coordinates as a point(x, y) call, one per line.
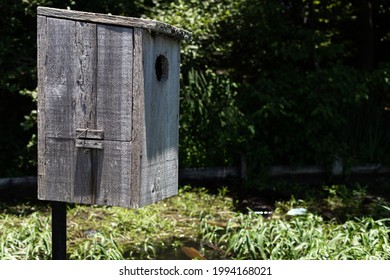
point(298, 88)
point(282, 82)
point(212, 128)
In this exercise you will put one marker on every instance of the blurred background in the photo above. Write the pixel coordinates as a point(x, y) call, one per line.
point(264, 83)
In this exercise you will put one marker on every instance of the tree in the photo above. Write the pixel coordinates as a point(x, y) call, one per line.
point(301, 72)
point(282, 81)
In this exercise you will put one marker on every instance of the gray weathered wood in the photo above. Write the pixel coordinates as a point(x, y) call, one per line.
point(159, 166)
point(69, 104)
point(60, 79)
point(138, 117)
point(114, 174)
point(115, 81)
point(89, 144)
point(108, 110)
point(114, 112)
point(85, 66)
point(59, 163)
point(151, 25)
point(41, 61)
point(86, 133)
point(56, 90)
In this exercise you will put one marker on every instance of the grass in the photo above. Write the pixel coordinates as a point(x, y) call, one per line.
point(251, 237)
point(205, 224)
point(25, 237)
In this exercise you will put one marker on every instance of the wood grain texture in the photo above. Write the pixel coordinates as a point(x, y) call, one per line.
point(85, 64)
point(138, 101)
point(61, 79)
point(56, 79)
point(159, 121)
point(69, 103)
point(151, 25)
point(113, 175)
point(41, 61)
point(86, 84)
point(115, 81)
point(108, 113)
point(60, 163)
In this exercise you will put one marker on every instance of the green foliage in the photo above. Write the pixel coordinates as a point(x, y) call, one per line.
point(196, 217)
point(316, 235)
point(317, 104)
point(368, 132)
point(250, 236)
point(31, 240)
point(212, 128)
point(298, 88)
point(99, 248)
point(133, 8)
point(204, 20)
point(283, 82)
point(113, 233)
point(298, 82)
point(29, 158)
point(17, 64)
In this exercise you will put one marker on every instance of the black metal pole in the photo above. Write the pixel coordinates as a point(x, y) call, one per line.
point(58, 230)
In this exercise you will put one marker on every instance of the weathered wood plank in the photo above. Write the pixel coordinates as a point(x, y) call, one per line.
point(152, 25)
point(85, 102)
point(161, 182)
point(70, 104)
point(89, 133)
point(85, 61)
point(113, 175)
point(71, 85)
point(115, 81)
point(41, 65)
point(60, 97)
point(57, 95)
point(60, 154)
point(69, 176)
point(81, 180)
point(159, 165)
point(138, 101)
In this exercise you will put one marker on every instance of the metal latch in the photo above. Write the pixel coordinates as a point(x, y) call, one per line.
point(89, 138)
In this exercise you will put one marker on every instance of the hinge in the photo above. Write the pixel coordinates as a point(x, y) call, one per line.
point(89, 138)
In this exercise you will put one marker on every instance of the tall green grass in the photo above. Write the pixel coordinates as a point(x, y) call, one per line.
point(250, 236)
point(25, 237)
point(207, 222)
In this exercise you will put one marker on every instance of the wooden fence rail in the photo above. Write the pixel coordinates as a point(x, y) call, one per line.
point(26, 186)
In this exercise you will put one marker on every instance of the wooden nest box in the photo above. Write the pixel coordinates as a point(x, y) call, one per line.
point(108, 108)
